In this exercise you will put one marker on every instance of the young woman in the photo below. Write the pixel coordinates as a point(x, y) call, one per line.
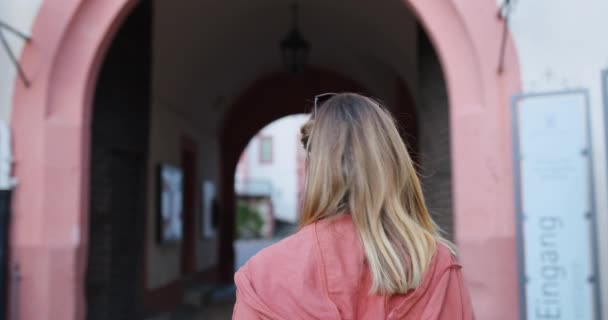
point(367, 247)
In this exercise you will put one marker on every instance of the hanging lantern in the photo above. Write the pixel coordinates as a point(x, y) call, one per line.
point(294, 48)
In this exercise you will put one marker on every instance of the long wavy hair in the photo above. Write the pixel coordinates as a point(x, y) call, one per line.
point(358, 164)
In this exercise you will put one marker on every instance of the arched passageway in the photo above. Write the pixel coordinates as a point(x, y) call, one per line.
point(52, 122)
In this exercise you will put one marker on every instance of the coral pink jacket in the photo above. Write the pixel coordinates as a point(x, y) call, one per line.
point(321, 273)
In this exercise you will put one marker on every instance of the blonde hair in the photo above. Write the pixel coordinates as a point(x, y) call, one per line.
point(358, 164)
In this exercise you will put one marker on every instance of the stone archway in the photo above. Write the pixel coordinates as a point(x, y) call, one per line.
point(51, 122)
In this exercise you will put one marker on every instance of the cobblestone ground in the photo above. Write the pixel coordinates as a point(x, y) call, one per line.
point(222, 301)
point(217, 311)
point(221, 309)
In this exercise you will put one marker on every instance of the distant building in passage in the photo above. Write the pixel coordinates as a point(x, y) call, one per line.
point(273, 164)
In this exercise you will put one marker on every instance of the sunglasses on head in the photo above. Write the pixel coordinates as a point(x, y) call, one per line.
point(320, 98)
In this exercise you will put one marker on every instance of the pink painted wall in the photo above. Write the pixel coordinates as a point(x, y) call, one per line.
point(51, 126)
point(466, 35)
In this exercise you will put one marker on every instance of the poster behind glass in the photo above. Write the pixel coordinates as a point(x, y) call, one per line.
point(170, 196)
point(209, 220)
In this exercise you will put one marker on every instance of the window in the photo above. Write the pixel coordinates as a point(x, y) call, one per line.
point(265, 149)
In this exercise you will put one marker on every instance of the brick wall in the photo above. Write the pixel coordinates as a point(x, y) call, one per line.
point(434, 136)
point(114, 279)
point(114, 264)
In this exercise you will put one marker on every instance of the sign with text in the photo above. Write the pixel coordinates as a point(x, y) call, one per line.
point(555, 206)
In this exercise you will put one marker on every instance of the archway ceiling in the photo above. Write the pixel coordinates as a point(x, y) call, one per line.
point(207, 52)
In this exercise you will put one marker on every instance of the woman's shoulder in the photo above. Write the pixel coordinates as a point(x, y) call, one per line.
point(286, 279)
point(285, 268)
point(445, 255)
point(444, 259)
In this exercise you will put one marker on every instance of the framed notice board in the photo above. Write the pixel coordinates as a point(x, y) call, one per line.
point(555, 206)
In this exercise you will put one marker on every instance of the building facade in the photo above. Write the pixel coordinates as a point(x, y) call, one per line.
point(110, 90)
point(271, 162)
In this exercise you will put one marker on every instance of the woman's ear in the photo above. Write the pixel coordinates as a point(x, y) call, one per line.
point(305, 133)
